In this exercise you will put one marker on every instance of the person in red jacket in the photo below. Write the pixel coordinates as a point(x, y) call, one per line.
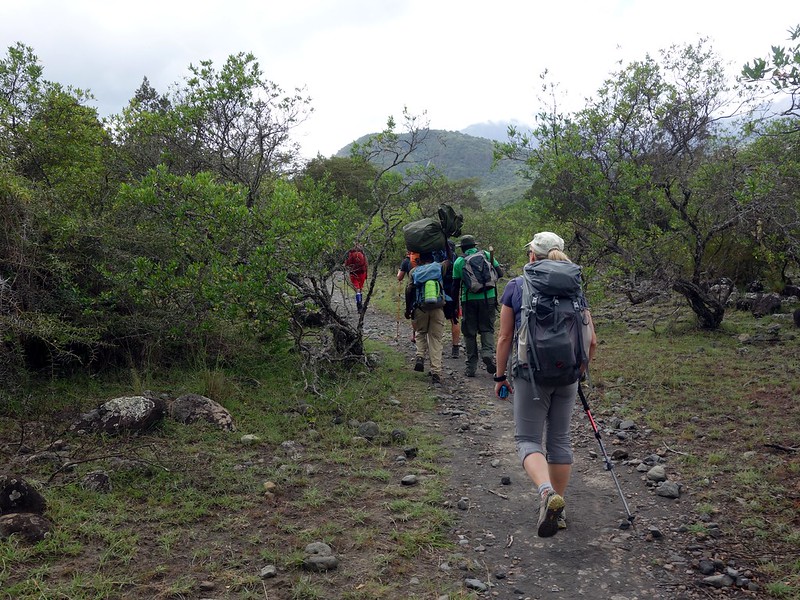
point(356, 265)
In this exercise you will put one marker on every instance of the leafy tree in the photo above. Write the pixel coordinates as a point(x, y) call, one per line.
point(231, 121)
point(350, 178)
point(319, 226)
point(55, 181)
point(434, 189)
point(236, 123)
point(781, 70)
point(198, 271)
point(636, 175)
point(772, 186)
point(143, 132)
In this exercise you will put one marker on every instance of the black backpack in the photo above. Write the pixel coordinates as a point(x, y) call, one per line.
point(478, 274)
point(552, 322)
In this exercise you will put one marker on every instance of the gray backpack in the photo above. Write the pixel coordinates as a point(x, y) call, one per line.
point(478, 274)
point(552, 322)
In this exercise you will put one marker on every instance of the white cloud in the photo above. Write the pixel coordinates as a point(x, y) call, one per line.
point(462, 61)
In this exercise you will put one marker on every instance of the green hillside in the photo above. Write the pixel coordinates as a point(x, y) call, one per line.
point(460, 156)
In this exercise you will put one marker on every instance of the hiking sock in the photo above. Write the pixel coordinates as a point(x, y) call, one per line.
point(544, 488)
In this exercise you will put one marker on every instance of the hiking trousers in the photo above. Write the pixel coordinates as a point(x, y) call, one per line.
point(429, 325)
point(479, 316)
point(537, 407)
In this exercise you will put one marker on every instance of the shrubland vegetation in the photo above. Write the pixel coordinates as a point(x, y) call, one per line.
point(186, 234)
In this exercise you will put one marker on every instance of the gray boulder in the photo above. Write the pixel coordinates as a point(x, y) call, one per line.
point(766, 304)
point(29, 526)
point(128, 413)
point(320, 557)
point(18, 496)
point(191, 408)
point(97, 481)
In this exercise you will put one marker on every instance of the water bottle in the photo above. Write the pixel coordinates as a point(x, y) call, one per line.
point(503, 393)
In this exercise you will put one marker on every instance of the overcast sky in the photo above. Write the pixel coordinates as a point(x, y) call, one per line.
point(462, 61)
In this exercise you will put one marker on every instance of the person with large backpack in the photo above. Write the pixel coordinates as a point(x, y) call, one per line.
point(546, 313)
point(410, 260)
point(475, 276)
point(355, 263)
point(452, 310)
point(425, 302)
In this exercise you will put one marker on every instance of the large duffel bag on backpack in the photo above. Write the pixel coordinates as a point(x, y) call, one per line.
point(425, 235)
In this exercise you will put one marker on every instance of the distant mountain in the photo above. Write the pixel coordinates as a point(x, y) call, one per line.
point(493, 130)
point(461, 156)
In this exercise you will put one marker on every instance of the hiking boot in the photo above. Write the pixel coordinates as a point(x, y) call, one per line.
point(491, 368)
point(419, 365)
point(562, 519)
point(455, 352)
point(435, 379)
point(550, 508)
point(469, 373)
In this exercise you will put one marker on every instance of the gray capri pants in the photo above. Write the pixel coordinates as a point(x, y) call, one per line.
point(536, 406)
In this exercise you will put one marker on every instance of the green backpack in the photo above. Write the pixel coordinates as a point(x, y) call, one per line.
point(429, 286)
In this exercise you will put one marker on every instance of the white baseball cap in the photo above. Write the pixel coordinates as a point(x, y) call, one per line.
point(544, 241)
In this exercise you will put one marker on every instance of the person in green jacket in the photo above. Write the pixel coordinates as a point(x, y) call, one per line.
point(478, 307)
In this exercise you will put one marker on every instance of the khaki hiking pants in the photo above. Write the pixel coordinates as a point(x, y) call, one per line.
point(430, 330)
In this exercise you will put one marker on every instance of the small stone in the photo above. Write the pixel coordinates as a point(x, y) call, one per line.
point(249, 439)
point(718, 581)
point(409, 480)
point(97, 481)
point(475, 584)
point(505, 480)
point(410, 452)
point(669, 489)
point(268, 572)
point(463, 503)
point(207, 586)
point(657, 473)
point(655, 532)
point(706, 567)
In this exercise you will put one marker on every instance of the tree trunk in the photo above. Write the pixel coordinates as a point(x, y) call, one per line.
point(709, 310)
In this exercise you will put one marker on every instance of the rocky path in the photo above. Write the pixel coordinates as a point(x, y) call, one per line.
point(502, 557)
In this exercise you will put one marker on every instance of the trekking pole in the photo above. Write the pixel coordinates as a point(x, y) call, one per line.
point(397, 317)
point(609, 465)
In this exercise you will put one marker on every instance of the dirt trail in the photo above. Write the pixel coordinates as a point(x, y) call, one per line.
point(593, 557)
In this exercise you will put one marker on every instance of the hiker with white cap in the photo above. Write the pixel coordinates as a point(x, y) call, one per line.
point(546, 373)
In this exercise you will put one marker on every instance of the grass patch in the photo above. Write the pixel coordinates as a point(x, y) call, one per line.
point(188, 503)
point(724, 405)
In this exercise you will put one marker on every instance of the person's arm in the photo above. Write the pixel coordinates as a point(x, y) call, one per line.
point(457, 292)
point(504, 339)
point(497, 267)
point(458, 267)
point(593, 342)
point(410, 297)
